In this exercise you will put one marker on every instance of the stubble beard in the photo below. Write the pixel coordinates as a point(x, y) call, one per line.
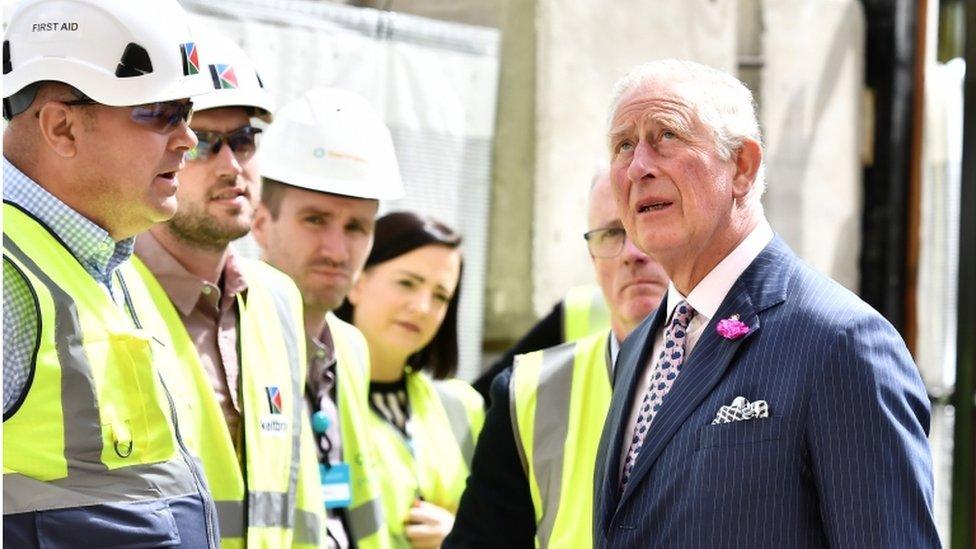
point(325, 299)
point(195, 227)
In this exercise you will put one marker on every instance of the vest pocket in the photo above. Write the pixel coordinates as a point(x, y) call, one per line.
point(143, 524)
point(135, 427)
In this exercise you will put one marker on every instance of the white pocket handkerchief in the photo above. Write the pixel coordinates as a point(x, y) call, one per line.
point(741, 410)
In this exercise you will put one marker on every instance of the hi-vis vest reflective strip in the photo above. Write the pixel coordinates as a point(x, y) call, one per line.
point(365, 515)
point(96, 424)
point(585, 312)
point(271, 340)
point(446, 418)
point(560, 397)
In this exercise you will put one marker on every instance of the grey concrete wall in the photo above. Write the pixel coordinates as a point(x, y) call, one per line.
point(510, 261)
point(811, 112)
point(583, 48)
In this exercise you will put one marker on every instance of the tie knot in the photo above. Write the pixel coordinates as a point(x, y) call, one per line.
point(682, 314)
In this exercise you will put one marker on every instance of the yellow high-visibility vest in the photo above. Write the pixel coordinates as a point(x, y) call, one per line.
point(585, 312)
point(446, 418)
point(100, 421)
point(560, 398)
point(366, 516)
point(278, 503)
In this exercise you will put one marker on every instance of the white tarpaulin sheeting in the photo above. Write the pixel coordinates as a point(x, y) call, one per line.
point(435, 84)
point(938, 264)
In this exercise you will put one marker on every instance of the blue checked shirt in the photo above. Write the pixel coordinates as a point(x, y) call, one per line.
point(88, 242)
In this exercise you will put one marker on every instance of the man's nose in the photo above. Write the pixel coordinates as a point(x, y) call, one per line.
point(334, 244)
point(182, 138)
point(227, 163)
point(631, 254)
point(641, 163)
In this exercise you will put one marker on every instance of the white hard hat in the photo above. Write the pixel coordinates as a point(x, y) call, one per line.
point(116, 52)
point(234, 80)
point(331, 141)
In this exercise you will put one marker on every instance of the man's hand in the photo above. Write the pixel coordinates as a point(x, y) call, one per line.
point(428, 525)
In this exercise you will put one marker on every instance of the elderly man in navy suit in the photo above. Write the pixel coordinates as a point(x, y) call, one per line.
point(762, 405)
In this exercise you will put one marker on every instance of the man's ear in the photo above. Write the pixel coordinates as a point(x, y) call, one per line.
point(747, 161)
point(58, 126)
point(259, 228)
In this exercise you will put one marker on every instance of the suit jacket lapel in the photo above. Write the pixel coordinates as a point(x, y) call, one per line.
point(761, 286)
point(633, 354)
point(703, 369)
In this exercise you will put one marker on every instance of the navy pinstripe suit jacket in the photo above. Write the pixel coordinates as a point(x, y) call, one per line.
point(842, 461)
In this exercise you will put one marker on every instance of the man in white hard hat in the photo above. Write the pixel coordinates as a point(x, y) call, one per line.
point(96, 94)
point(236, 323)
point(325, 163)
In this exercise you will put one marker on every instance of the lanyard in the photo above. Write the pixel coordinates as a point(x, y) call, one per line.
point(320, 427)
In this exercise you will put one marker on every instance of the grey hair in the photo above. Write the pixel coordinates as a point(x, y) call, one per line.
point(722, 102)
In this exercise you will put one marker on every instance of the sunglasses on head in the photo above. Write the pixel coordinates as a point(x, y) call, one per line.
point(243, 142)
point(162, 117)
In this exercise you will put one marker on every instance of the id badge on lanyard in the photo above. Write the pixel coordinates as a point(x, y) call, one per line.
point(336, 485)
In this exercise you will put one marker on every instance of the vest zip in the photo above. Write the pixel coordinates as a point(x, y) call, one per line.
point(208, 502)
point(209, 507)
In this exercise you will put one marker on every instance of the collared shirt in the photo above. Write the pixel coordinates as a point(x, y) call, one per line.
point(90, 244)
point(321, 397)
point(705, 298)
point(614, 351)
point(209, 314)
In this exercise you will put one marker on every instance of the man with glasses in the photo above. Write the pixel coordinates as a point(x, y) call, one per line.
point(235, 323)
point(533, 466)
point(96, 95)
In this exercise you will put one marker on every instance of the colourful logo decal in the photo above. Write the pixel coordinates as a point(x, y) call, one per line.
point(191, 61)
point(274, 399)
point(223, 77)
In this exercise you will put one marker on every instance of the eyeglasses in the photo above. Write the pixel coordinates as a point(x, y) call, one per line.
point(162, 117)
point(243, 142)
point(606, 243)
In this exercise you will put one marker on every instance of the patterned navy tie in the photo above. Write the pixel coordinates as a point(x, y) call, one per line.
point(666, 370)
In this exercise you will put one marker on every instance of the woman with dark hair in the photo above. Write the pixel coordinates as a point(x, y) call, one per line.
point(424, 424)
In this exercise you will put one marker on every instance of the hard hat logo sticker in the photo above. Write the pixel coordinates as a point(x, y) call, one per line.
point(321, 152)
point(223, 77)
point(191, 60)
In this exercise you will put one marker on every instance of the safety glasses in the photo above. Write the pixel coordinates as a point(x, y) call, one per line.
point(243, 142)
point(162, 117)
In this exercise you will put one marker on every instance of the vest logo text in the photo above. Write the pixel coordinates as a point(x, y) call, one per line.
point(273, 425)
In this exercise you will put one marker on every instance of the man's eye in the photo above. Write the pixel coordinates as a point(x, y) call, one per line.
point(668, 134)
point(406, 283)
point(610, 235)
point(625, 146)
point(313, 220)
